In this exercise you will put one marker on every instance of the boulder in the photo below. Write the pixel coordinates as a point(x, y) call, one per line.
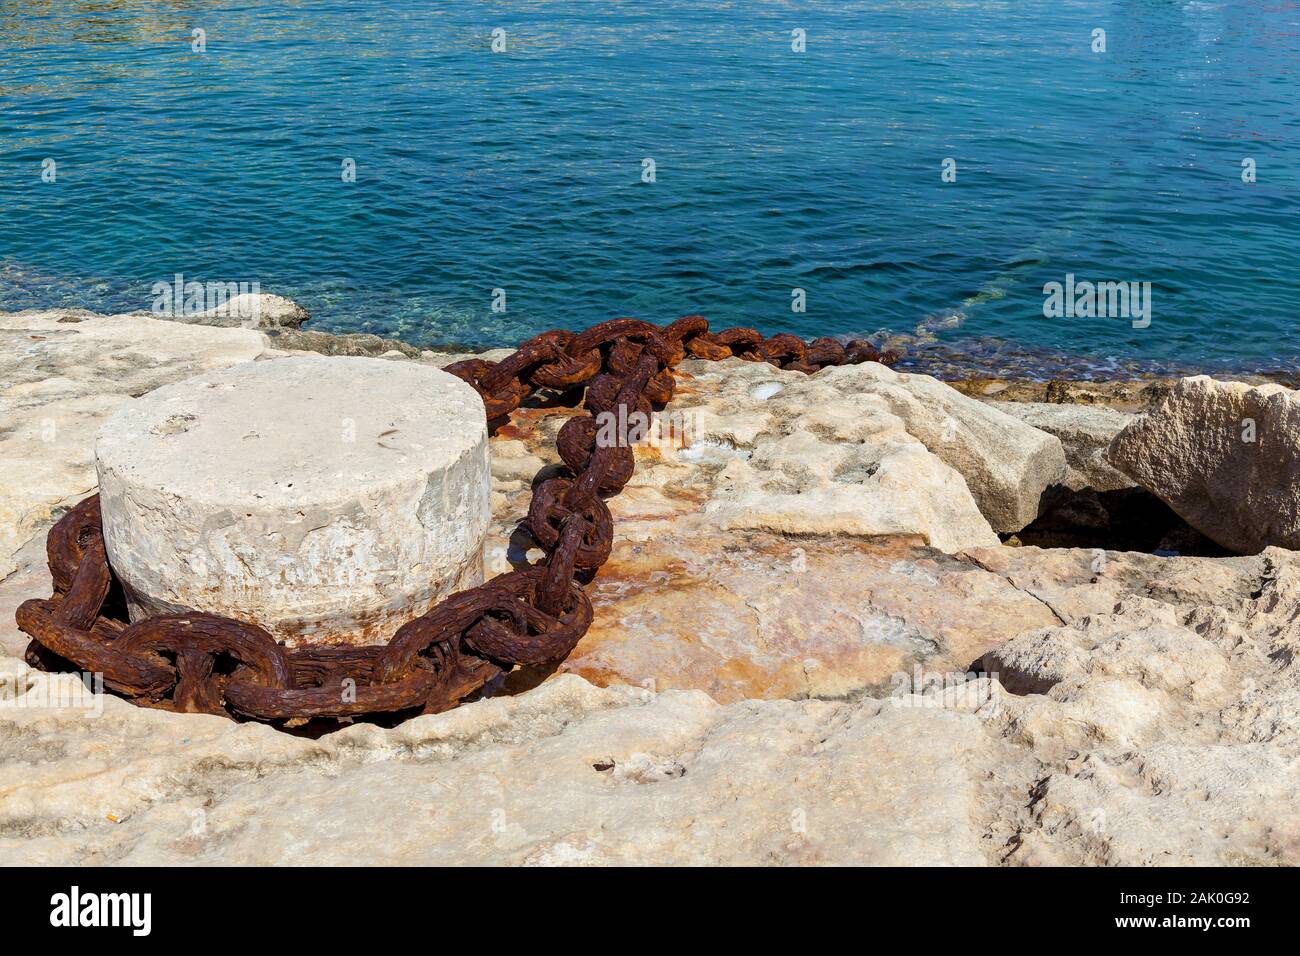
point(251, 310)
point(1085, 432)
point(1225, 456)
point(1006, 464)
point(780, 451)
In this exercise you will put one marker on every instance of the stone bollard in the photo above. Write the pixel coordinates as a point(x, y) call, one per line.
point(328, 500)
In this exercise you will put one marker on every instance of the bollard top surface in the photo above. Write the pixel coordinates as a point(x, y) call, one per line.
point(304, 429)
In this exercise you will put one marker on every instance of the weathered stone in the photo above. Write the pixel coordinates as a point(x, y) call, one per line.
point(29, 578)
point(1167, 733)
point(326, 499)
point(1163, 726)
point(361, 344)
point(1225, 456)
point(1007, 464)
point(781, 451)
point(1085, 431)
point(566, 775)
point(1121, 394)
point(1076, 582)
point(251, 310)
point(442, 359)
point(750, 614)
point(702, 594)
point(1160, 726)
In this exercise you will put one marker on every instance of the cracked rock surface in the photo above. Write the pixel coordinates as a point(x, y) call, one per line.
point(1159, 728)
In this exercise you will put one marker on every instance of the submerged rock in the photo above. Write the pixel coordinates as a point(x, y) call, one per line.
point(352, 343)
point(1122, 394)
point(1225, 456)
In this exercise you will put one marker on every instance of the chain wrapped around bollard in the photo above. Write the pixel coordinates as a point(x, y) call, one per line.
point(204, 663)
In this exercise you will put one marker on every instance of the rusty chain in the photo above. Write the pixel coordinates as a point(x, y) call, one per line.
point(202, 663)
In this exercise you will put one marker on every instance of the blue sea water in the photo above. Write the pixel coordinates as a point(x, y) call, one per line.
point(774, 170)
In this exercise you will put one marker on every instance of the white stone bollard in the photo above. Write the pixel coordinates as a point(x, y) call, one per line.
point(329, 500)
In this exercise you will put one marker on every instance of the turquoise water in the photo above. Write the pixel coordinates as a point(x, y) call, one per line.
point(775, 170)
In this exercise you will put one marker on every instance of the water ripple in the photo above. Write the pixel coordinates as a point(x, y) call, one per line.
point(522, 170)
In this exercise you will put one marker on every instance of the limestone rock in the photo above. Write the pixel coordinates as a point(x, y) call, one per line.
point(251, 310)
point(1225, 456)
point(29, 578)
point(1006, 463)
point(782, 451)
point(1121, 394)
point(1077, 582)
point(441, 359)
point(325, 343)
point(752, 614)
point(565, 775)
point(1153, 727)
point(1166, 733)
point(1085, 432)
point(1145, 710)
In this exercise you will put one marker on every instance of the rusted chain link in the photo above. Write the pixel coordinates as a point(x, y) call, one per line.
point(202, 663)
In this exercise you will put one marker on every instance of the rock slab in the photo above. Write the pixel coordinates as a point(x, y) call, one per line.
point(251, 310)
point(780, 451)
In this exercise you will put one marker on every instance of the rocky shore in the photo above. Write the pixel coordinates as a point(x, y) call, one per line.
point(854, 617)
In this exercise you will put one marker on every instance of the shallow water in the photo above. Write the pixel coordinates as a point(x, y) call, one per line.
point(775, 170)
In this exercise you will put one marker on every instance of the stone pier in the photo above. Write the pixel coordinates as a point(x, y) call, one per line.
point(327, 499)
